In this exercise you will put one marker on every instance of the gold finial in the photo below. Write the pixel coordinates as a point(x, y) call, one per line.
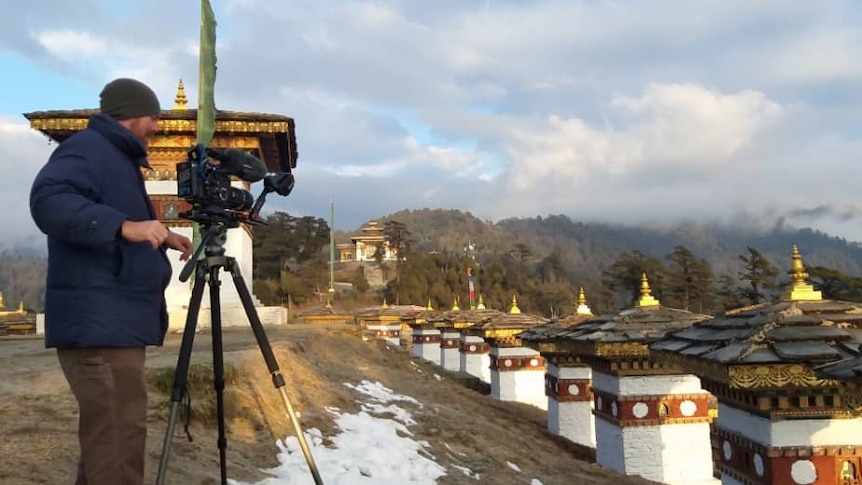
point(429, 307)
point(481, 305)
point(646, 298)
point(514, 308)
point(799, 288)
point(583, 309)
point(455, 307)
point(21, 307)
point(2, 306)
point(385, 305)
point(180, 101)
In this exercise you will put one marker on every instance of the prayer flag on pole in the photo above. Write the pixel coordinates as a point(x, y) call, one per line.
point(206, 75)
point(206, 88)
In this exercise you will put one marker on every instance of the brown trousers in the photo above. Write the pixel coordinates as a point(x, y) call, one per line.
point(111, 390)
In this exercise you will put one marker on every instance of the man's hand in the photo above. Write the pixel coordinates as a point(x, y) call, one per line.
point(153, 232)
point(180, 243)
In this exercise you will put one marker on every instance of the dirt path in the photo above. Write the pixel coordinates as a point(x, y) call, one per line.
point(465, 428)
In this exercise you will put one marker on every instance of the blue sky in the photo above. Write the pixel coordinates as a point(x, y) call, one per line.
point(636, 112)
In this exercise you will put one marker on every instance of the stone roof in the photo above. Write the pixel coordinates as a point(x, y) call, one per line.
point(321, 310)
point(643, 324)
point(554, 329)
point(848, 370)
point(389, 310)
point(499, 325)
point(809, 332)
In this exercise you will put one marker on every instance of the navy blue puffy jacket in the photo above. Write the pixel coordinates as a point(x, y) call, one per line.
point(102, 291)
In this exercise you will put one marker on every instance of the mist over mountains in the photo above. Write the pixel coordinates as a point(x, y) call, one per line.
point(589, 247)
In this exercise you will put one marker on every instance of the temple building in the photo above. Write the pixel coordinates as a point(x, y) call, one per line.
point(651, 419)
point(384, 321)
point(366, 245)
point(269, 137)
point(423, 334)
point(568, 380)
point(516, 372)
point(17, 321)
point(783, 418)
point(324, 314)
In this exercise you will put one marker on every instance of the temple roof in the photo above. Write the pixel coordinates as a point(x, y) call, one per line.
point(558, 327)
point(495, 324)
point(848, 370)
point(389, 310)
point(555, 329)
point(801, 328)
point(811, 332)
point(642, 324)
point(277, 133)
point(324, 309)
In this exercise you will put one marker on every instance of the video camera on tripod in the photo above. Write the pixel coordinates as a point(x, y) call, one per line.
point(218, 206)
point(206, 185)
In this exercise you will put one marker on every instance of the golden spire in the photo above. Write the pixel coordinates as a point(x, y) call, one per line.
point(799, 288)
point(180, 101)
point(514, 308)
point(2, 306)
point(455, 307)
point(21, 306)
point(583, 309)
point(481, 305)
point(646, 298)
point(429, 307)
point(385, 305)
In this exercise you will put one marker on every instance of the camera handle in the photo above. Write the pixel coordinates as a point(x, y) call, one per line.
point(215, 259)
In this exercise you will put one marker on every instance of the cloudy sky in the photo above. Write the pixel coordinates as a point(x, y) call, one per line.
point(621, 111)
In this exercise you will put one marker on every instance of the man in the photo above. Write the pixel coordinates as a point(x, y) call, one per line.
point(107, 274)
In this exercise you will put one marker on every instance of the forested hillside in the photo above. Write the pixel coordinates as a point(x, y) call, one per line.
point(543, 260)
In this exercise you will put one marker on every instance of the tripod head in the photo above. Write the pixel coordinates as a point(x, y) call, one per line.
point(212, 242)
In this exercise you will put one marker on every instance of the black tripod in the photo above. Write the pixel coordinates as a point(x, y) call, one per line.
point(213, 242)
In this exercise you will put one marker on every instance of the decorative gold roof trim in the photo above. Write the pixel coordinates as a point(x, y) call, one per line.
point(168, 125)
point(775, 376)
point(621, 349)
point(501, 333)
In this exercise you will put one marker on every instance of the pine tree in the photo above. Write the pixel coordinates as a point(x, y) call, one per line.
point(760, 275)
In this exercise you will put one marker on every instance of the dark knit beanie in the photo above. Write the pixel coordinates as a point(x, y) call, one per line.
point(125, 98)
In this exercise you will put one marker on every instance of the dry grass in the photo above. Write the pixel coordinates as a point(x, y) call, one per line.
point(463, 428)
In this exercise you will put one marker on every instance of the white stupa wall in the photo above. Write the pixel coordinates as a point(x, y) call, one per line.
point(450, 356)
point(517, 374)
point(637, 432)
point(790, 433)
point(736, 430)
point(475, 357)
point(426, 344)
point(570, 403)
point(388, 332)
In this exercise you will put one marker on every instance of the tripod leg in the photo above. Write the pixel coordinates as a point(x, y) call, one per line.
point(271, 364)
point(182, 369)
point(218, 368)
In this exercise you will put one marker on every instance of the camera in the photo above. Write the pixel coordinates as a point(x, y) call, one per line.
point(204, 180)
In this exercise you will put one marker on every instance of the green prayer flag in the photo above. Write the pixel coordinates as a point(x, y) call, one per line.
point(206, 88)
point(207, 75)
